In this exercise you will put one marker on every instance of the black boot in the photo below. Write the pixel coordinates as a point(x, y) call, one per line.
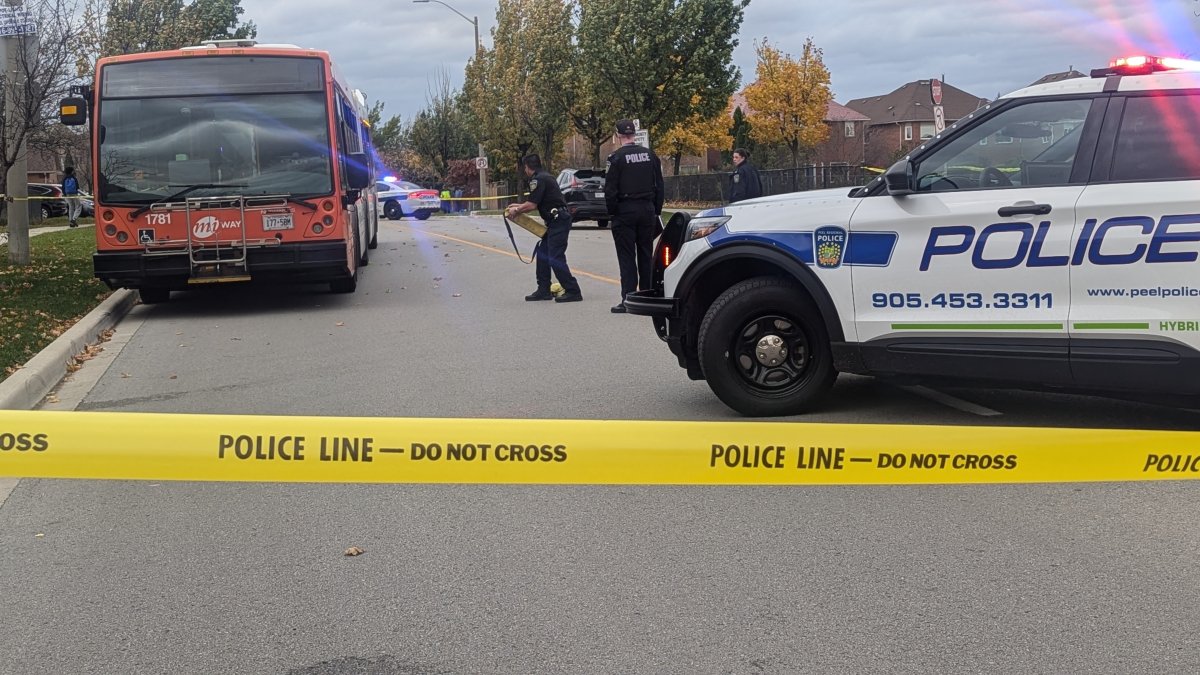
point(540, 294)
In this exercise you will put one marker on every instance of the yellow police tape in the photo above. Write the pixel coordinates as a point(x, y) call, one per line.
point(394, 450)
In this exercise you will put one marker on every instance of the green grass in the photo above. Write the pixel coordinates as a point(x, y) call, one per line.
point(40, 301)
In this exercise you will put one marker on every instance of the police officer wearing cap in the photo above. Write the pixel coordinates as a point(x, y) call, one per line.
point(633, 191)
point(545, 196)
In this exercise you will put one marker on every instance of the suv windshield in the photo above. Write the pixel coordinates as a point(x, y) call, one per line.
point(262, 144)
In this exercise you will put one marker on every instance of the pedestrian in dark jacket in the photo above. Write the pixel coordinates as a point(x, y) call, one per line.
point(70, 189)
point(744, 183)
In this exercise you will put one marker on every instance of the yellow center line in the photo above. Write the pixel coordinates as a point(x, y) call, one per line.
point(493, 249)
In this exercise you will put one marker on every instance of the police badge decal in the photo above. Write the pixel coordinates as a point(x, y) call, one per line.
point(829, 242)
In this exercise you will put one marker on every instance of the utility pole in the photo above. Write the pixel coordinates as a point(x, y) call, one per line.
point(13, 28)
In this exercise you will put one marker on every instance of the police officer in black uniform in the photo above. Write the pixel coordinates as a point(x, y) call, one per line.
point(744, 183)
point(633, 190)
point(545, 196)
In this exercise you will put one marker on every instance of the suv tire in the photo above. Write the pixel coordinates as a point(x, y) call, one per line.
point(764, 349)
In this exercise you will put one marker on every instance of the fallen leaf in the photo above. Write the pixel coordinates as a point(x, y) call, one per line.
point(125, 375)
point(39, 534)
point(341, 323)
point(458, 295)
point(52, 399)
point(354, 550)
point(173, 377)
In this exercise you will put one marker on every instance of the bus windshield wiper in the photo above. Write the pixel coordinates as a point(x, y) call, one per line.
point(184, 191)
point(296, 200)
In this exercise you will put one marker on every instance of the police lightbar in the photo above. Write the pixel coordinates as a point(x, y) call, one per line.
point(1142, 64)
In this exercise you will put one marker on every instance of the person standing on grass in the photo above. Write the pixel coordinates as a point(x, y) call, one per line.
point(70, 188)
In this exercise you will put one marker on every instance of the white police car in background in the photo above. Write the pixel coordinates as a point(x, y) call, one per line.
point(1049, 240)
point(398, 199)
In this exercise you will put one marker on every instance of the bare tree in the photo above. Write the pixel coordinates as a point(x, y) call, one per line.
point(39, 71)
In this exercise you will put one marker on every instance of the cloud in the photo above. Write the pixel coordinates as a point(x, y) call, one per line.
point(394, 49)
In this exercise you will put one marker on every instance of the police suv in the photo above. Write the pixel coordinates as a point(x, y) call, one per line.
point(1048, 240)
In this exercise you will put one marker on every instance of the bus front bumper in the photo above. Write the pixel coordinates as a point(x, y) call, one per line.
point(322, 261)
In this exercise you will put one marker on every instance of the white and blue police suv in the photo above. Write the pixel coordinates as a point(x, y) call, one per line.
point(1048, 240)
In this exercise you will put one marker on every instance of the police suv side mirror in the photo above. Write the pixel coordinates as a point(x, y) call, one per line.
point(899, 178)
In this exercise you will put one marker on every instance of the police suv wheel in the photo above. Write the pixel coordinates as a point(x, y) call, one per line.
point(392, 210)
point(764, 349)
point(422, 215)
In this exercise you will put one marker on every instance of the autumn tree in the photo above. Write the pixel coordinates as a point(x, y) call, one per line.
point(654, 58)
point(112, 27)
point(696, 134)
point(387, 137)
point(517, 90)
point(439, 133)
point(38, 73)
point(789, 99)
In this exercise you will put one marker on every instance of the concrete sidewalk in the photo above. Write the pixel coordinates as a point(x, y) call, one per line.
point(25, 388)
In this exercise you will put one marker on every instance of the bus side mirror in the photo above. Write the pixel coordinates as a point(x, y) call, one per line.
point(358, 170)
point(72, 111)
point(899, 178)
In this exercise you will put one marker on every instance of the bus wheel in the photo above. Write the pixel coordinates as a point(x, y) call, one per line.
point(601, 223)
point(374, 243)
point(392, 210)
point(150, 295)
point(422, 215)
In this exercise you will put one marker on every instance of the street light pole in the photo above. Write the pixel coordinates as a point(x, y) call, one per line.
point(478, 47)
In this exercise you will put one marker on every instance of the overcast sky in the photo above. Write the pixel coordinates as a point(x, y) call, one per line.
point(392, 49)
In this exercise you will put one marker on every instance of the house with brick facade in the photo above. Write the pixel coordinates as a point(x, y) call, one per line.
point(847, 133)
point(903, 119)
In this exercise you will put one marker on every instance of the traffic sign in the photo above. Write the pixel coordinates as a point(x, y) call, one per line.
point(14, 21)
point(642, 138)
point(935, 91)
point(481, 163)
point(939, 119)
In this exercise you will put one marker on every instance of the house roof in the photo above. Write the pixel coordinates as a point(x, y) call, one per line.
point(913, 102)
point(1069, 74)
point(834, 112)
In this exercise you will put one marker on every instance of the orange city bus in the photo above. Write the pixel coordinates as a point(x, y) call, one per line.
point(228, 161)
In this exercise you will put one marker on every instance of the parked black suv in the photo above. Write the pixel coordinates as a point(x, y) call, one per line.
point(50, 198)
point(583, 190)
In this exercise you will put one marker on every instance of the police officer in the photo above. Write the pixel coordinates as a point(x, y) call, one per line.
point(545, 196)
point(633, 191)
point(744, 183)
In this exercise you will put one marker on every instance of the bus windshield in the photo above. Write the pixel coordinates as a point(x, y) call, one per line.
point(265, 145)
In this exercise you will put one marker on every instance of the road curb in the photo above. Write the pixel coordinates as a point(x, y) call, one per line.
point(26, 387)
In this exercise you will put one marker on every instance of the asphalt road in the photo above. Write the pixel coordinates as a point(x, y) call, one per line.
point(119, 577)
